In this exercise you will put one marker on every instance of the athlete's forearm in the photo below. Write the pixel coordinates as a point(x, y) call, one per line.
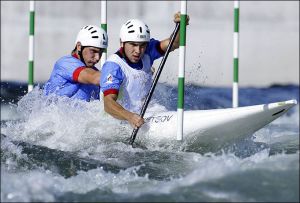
point(89, 76)
point(115, 109)
point(164, 43)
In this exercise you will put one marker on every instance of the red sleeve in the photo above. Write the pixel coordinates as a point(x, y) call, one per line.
point(111, 91)
point(77, 72)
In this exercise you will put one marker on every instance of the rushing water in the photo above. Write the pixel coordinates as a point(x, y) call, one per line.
point(67, 151)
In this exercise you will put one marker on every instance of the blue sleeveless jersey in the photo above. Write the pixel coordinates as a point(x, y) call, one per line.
point(130, 81)
point(64, 80)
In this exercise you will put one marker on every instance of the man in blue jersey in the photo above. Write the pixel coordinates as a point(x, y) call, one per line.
point(75, 75)
point(127, 76)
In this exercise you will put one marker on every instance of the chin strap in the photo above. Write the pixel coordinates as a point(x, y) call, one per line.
point(80, 55)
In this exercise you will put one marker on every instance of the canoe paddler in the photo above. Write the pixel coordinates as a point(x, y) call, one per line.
point(127, 74)
point(75, 75)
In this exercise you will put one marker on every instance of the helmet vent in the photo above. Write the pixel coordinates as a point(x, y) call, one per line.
point(134, 30)
point(93, 36)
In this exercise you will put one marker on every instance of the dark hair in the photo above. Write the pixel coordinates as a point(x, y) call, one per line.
point(74, 50)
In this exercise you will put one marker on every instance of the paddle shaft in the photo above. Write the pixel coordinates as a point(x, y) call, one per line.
point(161, 65)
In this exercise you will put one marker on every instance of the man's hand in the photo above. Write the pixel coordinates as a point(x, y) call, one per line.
point(135, 120)
point(177, 18)
point(164, 43)
point(112, 107)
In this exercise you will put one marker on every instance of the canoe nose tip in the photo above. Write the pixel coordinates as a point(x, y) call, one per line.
point(293, 101)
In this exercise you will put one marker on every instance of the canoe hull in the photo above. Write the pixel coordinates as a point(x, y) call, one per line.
point(216, 126)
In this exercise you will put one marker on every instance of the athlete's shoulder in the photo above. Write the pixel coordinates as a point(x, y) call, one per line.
point(111, 76)
point(153, 40)
point(154, 45)
point(110, 64)
point(114, 58)
point(113, 62)
point(69, 59)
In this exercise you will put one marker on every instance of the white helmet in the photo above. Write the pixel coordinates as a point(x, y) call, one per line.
point(134, 30)
point(92, 35)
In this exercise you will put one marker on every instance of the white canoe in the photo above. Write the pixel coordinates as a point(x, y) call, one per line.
point(216, 126)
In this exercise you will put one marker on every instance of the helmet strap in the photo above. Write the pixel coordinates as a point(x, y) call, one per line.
point(80, 55)
point(122, 51)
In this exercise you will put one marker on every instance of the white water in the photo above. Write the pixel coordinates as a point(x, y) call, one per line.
point(66, 124)
point(160, 172)
point(45, 185)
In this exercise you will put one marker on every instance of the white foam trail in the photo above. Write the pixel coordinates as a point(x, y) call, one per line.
point(66, 124)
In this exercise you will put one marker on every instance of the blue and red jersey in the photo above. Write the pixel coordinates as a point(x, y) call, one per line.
point(64, 80)
point(130, 81)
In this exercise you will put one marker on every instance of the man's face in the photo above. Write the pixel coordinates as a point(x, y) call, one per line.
point(134, 50)
point(91, 55)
